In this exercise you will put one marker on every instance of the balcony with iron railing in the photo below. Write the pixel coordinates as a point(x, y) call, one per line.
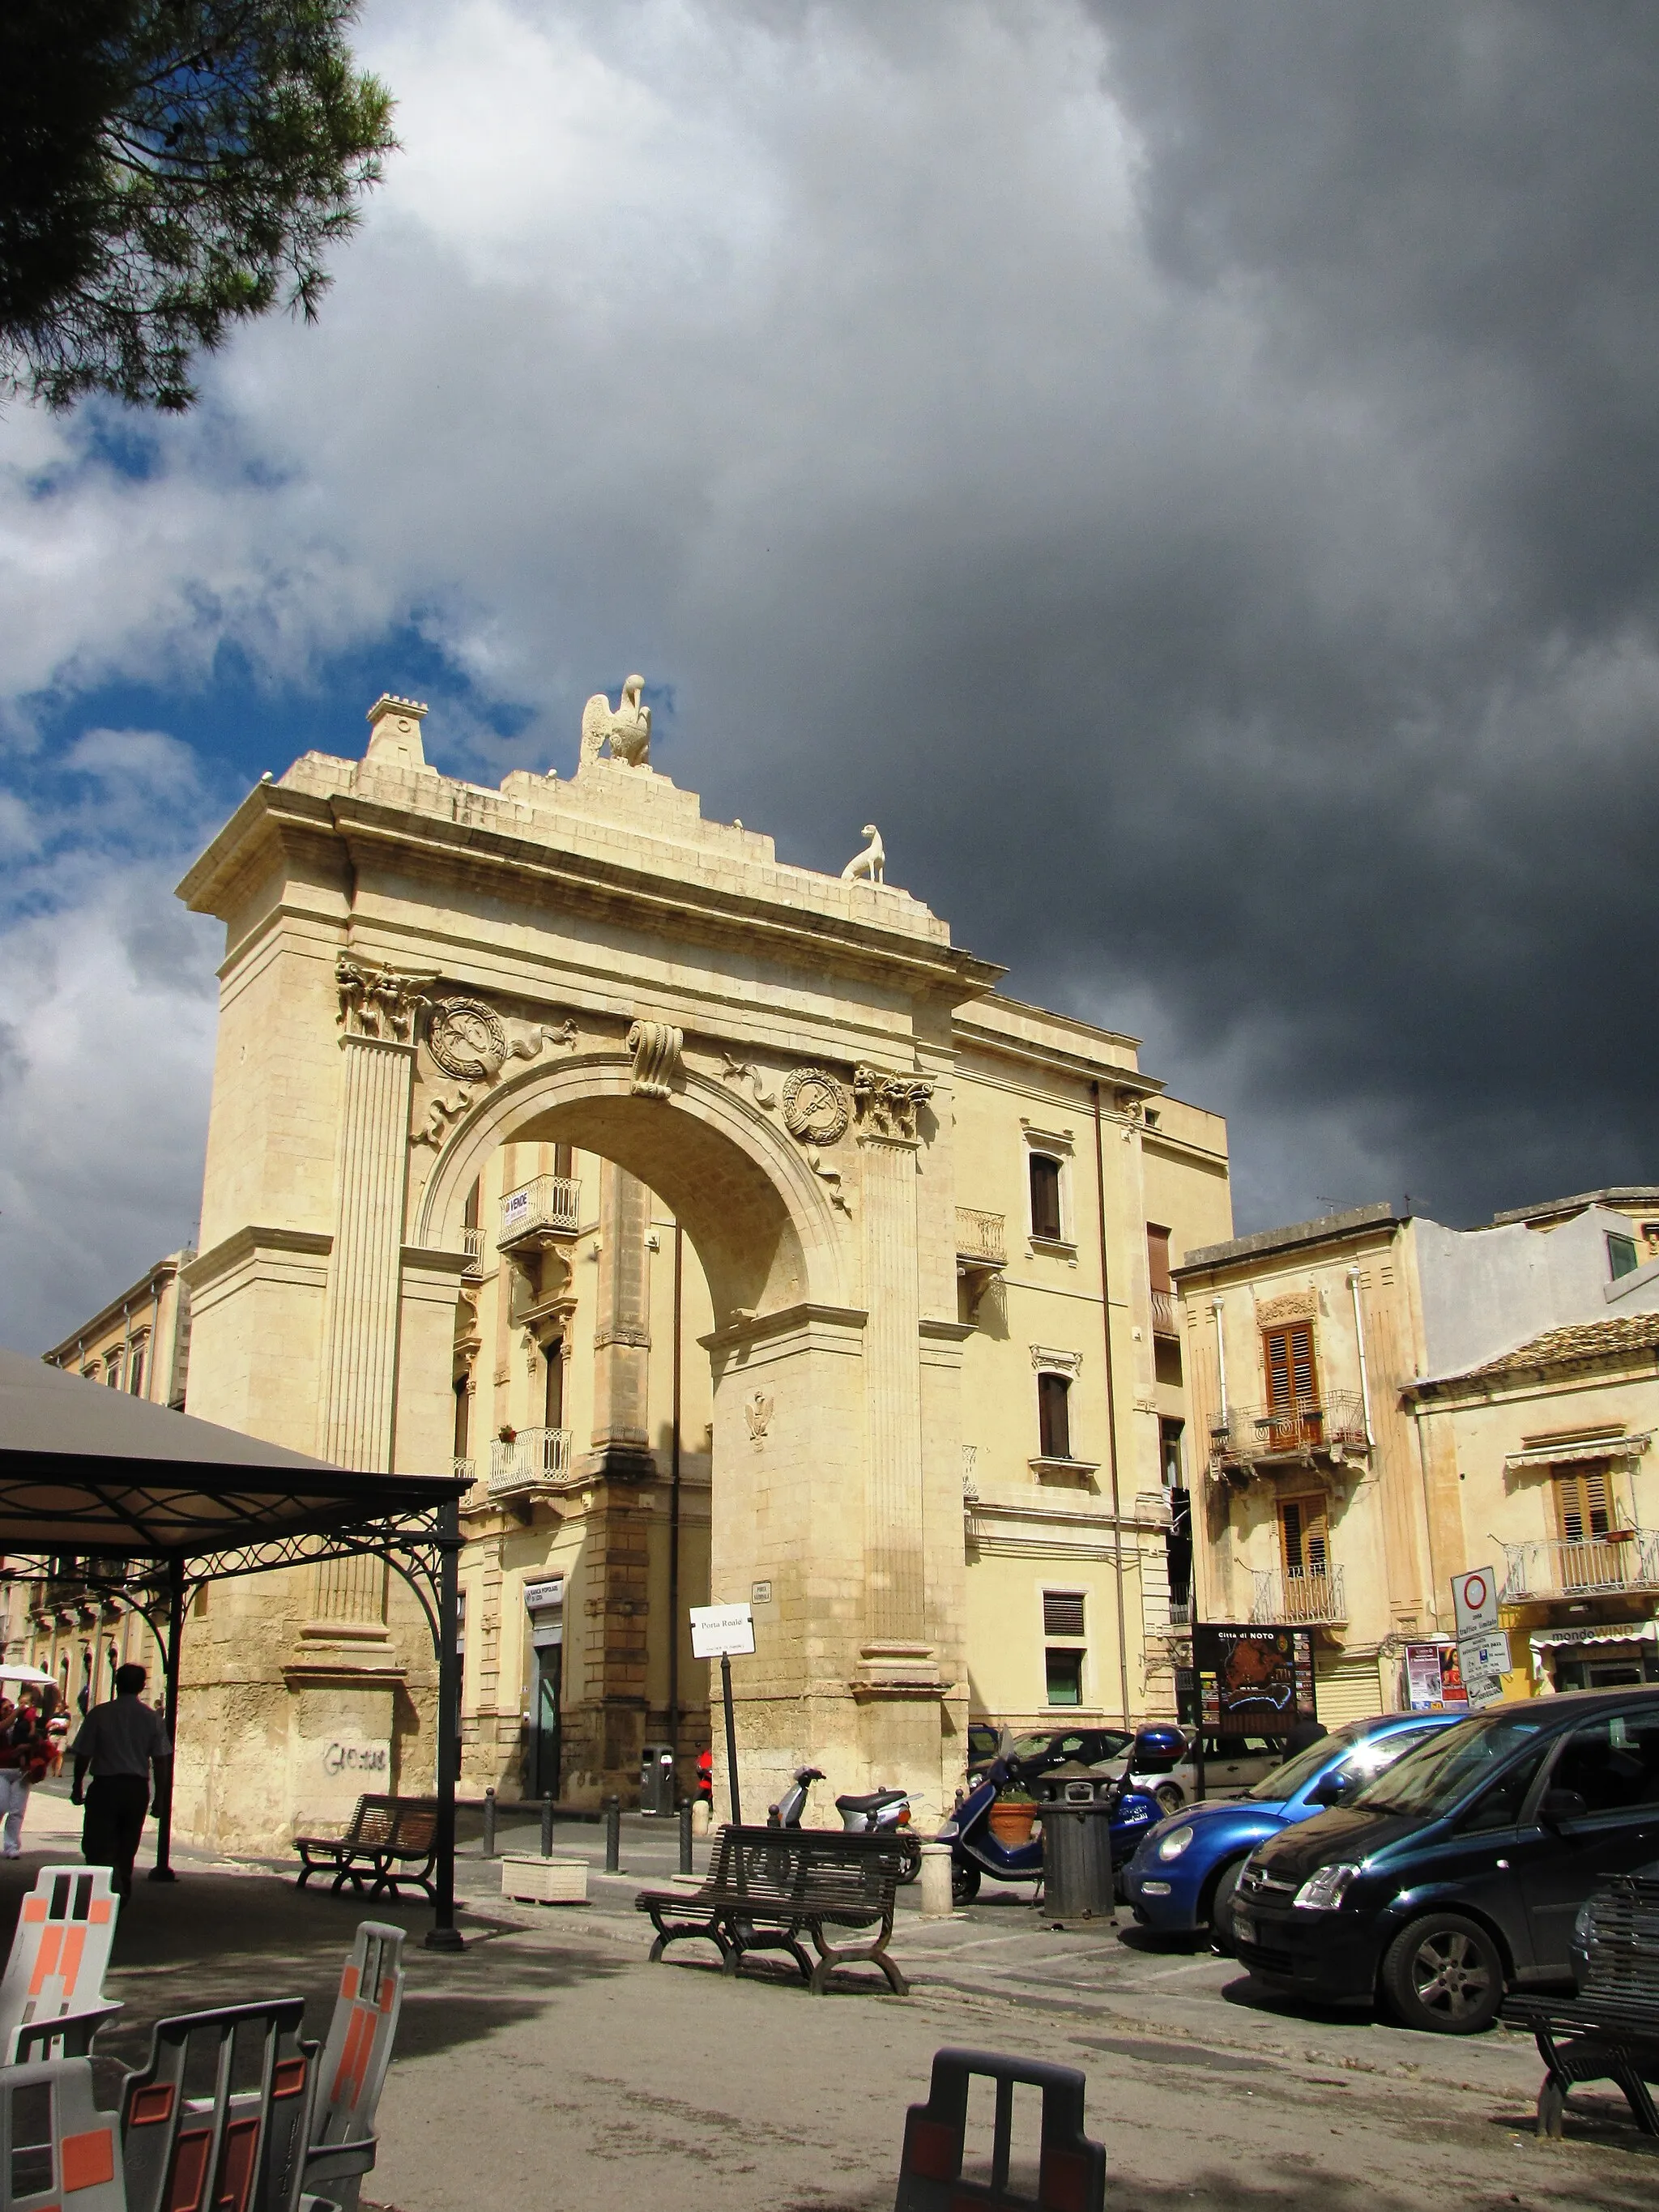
point(472, 1242)
point(1294, 1428)
point(546, 1206)
point(529, 1460)
point(1301, 1601)
point(1166, 1314)
point(1600, 1567)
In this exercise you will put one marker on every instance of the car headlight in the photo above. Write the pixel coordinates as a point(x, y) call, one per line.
point(1172, 1846)
point(1324, 1891)
point(1582, 1925)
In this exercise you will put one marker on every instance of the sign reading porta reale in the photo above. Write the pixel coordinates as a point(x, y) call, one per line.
point(721, 1630)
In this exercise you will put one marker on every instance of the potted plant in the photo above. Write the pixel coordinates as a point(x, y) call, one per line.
point(1012, 1816)
point(508, 1433)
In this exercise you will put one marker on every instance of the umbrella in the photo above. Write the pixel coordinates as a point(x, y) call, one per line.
point(24, 1675)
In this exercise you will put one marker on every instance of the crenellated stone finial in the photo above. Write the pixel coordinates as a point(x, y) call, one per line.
point(395, 731)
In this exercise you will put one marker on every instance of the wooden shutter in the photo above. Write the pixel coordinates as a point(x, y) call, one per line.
point(1054, 1417)
point(1584, 1500)
point(1045, 1196)
point(1287, 1355)
point(1303, 1536)
point(1157, 1256)
point(1062, 1613)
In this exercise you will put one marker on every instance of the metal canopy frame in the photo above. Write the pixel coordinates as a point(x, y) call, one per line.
point(200, 1523)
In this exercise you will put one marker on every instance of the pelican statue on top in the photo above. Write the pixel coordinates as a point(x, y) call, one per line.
point(627, 732)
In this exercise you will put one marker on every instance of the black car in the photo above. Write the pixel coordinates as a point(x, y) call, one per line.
point(1458, 1872)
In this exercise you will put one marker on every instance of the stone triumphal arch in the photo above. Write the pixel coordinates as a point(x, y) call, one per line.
point(419, 970)
point(489, 1063)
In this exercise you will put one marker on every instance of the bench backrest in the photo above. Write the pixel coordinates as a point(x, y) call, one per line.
point(405, 1826)
point(60, 1951)
point(820, 1870)
point(1072, 2170)
point(234, 2148)
point(1622, 1954)
point(360, 2037)
point(54, 2144)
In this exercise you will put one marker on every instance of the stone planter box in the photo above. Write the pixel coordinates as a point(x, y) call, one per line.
point(543, 1881)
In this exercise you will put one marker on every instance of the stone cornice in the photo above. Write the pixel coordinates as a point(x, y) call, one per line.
point(243, 1244)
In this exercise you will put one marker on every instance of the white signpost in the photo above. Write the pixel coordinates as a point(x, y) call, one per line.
point(719, 1631)
point(1483, 1651)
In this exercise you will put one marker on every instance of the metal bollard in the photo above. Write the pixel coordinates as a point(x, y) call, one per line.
point(685, 1835)
point(613, 1835)
point(547, 1827)
point(489, 1824)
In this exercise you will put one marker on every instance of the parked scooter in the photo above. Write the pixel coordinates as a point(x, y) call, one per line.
point(878, 1811)
point(975, 1852)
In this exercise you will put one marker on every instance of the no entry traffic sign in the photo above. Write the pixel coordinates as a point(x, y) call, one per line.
point(1474, 1602)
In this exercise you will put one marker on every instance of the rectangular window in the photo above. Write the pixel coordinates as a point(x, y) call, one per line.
point(1054, 1417)
point(1287, 1356)
point(1583, 1504)
point(1621, 1257)
point(112, 1373)
point(1169, 1446)
point(136, 1371)
point(562, 1161)
point(553, 1403)
point(1045, 1197)
point(1302, 1536)
point(1064, 1673)
point(1157, 1257)
point(1062, 1613)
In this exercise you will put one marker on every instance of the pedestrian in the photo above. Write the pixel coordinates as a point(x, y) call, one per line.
point(25, 1755)
point(119, 1741)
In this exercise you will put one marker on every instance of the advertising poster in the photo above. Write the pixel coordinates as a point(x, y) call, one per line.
point(1254, 1681)
point(1422, 1678)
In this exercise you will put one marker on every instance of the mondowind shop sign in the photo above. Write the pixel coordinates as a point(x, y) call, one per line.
point(1254, 1680)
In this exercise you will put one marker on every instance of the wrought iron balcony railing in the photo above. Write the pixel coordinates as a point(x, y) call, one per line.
point(1166, 1314)
point(1292, 1429)
point(981, 1240)
point(1624, 1559)
point(1300, 1600)
point(464, 1470)
point(532, 1457)
point(548, 1205)
point(473, 1240)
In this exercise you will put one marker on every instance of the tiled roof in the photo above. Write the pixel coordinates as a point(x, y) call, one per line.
point(1584, 1340)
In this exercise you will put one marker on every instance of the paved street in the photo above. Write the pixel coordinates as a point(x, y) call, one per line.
point(551, 2067)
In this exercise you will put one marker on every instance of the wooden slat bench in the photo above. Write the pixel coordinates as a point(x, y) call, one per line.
point(770, 1887)
point(390, 1842)
point(1610, 2031)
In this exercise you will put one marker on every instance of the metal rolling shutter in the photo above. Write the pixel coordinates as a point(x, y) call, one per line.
point(1347, 1690)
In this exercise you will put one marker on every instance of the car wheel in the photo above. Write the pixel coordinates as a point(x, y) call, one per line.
point(964, 1881)
point(1444, 1973)
point(1168, 1796)
point(1221, 1908)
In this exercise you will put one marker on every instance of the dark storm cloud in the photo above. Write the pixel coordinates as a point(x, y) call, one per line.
point(1324, 742)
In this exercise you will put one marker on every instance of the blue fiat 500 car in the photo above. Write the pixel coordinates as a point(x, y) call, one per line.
point(1182, 1876)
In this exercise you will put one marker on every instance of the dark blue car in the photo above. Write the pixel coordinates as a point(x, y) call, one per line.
point(1182, 1876)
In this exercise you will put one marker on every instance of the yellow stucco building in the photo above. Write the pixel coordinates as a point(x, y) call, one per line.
point(1389, 1402)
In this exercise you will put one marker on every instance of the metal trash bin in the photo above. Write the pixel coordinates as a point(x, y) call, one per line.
point(1077, 1861)
point(657, 1778)
point(1070, 1784)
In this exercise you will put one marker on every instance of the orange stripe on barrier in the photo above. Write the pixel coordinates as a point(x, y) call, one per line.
point(100, 1913)
point(354, 2058)
point(151, 2106)
point(188, 2180)
point(88, 2160)
point(238, 2166)
point(46, 1959)
point(289, 2078)
point(74, 1944)
point(349, 1981)
point(35, 1908)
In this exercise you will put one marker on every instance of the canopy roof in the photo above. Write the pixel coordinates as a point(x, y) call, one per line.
point(86, 1468)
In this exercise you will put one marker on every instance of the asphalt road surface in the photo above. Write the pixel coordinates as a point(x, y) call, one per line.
point(549, 2067)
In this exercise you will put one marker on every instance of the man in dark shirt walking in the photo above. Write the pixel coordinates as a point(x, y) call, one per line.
point(118, 1741)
